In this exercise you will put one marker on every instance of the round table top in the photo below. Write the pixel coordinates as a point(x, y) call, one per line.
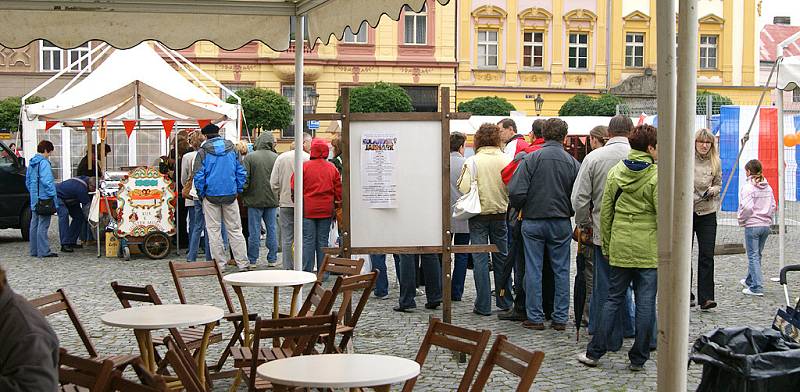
point(269, 278)
point(162, 316)
point(339, 370)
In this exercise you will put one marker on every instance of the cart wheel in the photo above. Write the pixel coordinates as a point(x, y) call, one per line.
point(126, 253)
point(156, 245)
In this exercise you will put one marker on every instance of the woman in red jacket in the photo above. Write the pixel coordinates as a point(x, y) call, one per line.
point(322, 193)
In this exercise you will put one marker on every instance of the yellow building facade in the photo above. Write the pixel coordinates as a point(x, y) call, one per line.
point(518, 49)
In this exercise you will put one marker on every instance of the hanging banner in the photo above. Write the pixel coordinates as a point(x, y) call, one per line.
point(49, 124)
point(378, 169)
point(88, 124)
point(168, 124)
point(203, 123)
point(129, 125)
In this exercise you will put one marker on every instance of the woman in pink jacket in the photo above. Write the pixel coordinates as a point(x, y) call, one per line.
point(756, 208)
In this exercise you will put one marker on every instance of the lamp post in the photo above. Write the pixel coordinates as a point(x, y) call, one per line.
point(314, 98)
point(537, 104)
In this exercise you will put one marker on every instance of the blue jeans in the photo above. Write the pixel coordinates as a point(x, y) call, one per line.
point(68, 232)
point(39, 245)
point(459, 267)
point(432, 271)
point(554, 235)
point(645, 283)
point(382, 283)
point(481, 232)
point(754, 240)
point(197, 229)
point(624, 320)
point(315, 237)
point(255, 216)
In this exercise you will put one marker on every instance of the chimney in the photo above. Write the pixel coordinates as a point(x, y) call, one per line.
point(782, 20)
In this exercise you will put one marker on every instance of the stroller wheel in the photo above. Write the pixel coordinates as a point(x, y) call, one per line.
point(156, 245)
point(126, 253)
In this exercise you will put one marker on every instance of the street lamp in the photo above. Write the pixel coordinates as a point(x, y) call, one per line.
point(537, 104)
point(314, 98)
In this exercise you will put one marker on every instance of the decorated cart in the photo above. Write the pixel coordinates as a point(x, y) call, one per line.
point(145, 212)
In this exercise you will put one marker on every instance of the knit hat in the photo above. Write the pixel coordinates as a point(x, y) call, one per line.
point(210, 129)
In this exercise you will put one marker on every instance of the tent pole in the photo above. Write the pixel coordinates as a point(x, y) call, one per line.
point(95, 176)
point(177, 200)
point(781, 175)
point(299, 35)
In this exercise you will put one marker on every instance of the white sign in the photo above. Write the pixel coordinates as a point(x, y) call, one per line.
point(313, 124)
point(378, 169)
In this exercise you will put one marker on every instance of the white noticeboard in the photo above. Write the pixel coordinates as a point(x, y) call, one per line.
point(395, 183)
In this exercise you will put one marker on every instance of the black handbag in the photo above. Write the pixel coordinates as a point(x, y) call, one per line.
point(44, 207)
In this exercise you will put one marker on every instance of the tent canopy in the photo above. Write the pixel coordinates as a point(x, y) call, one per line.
point(179, 23)
point(789, 73)
point(131, 77)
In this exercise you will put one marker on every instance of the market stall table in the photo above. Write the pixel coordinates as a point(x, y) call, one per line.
point(143, 319)
point(378, 372)
point(271, 278)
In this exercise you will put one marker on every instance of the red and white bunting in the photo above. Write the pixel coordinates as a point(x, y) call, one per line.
point(88, 124)
point(129, 125)
point(168, 125)
point(49, 124)
point(203, 123)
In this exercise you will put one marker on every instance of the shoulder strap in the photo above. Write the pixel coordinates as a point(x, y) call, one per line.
point(616, 197)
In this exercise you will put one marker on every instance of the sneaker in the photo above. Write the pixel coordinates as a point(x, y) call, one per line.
point(743, 282)
point(534, 326)
point(272, 264)
point(251, 267)
point(747, 291)
point(382, 297)
point(582, 358)
point(635, 368)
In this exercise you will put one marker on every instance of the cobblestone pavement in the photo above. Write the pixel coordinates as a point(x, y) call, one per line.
point(86, 279)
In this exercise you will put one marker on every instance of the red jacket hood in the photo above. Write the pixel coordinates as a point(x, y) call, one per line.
point(319, 149)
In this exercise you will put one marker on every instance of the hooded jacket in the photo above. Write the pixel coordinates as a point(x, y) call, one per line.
point(756, 204)
point(219, 174)
point(628, 221)
point(259, 164)
point(322, 186)
point(39, 180)
point(74, 191)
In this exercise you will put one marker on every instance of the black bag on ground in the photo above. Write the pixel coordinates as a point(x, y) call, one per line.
point(746, 359)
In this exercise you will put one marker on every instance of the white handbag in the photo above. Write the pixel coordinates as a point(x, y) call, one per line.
point(469, 204)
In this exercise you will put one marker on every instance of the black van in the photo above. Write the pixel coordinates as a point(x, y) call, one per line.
point(15, 210)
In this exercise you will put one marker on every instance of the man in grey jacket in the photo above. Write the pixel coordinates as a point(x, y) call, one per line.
point(587, 196)
point(280, 182)
point(28, 345)
point(261, 203)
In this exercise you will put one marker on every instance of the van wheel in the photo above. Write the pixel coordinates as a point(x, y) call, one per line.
point(25, 223)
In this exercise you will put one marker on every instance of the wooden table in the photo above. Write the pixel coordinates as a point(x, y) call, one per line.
point(268, 278)
point(338, 371)
point(143, 319)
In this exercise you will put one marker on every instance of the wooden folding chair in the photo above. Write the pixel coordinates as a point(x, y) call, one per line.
point(182, 362)
point(339, 266)
point(78, 374)
point(185, 270)
point(513, 358)
point(299, 335)
point(149, 382)
point(454, 338)
point(348, 287)
point(59, 302)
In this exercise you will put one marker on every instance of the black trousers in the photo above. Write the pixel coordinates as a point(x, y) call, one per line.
point(705, 228)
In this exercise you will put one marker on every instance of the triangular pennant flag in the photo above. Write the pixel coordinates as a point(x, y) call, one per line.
point(203, 123)
point(129, 124)
point(88, 124)
point(168, 124)
point(49, 124)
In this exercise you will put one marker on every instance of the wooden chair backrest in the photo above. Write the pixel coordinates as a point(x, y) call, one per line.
point(339, 266)
point(454, 338)
point(183, 270)
point(84, 372)
point(59, 302)
point(183, 364)
point(128, 294)
point(319, 301)
point(301, 332)
point(349, 286)
point(513, 358)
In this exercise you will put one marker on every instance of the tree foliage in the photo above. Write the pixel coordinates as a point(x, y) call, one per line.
point(379, 97)
point(584, 105)
point(264, 108)
point(9, 111)
point(487, 106)
point(717, 100)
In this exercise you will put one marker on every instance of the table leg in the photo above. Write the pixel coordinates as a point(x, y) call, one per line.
point(201, 355)
point(295, 293)
point(245, 315)
point(279, 388)
point(382, 388)
point(145, 347)
point(275, 307)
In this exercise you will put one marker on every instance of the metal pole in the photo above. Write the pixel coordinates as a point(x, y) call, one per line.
point(709, 111)
point(299, 40)
point(177, 199)
point(781, 174)
point(672, 370)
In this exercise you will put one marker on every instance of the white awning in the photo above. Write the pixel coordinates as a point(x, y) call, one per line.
point(230, 24)
point(789, 73)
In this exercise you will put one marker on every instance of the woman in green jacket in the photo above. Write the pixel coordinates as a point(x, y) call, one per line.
point(628, 233)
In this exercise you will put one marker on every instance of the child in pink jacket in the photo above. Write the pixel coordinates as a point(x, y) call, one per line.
point(756, 208)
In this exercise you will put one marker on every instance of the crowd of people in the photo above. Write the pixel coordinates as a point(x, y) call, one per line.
point(535, 198)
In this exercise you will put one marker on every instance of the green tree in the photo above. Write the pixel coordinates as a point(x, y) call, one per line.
point(487, 106)
point(264, 108)
point(606, 105)
point(584, 105)
point(379, 97)
point(9, 111)
point(717, 100)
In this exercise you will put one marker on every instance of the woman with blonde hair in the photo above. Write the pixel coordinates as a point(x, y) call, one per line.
point(707, 184)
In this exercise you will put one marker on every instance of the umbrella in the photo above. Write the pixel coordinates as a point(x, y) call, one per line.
point(516, 257)
point(580, 288)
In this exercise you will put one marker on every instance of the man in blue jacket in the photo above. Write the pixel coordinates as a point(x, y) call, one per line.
point(220, 177)
point(73, 195)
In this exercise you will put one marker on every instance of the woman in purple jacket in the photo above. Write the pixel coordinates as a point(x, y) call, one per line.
point(756, 208)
